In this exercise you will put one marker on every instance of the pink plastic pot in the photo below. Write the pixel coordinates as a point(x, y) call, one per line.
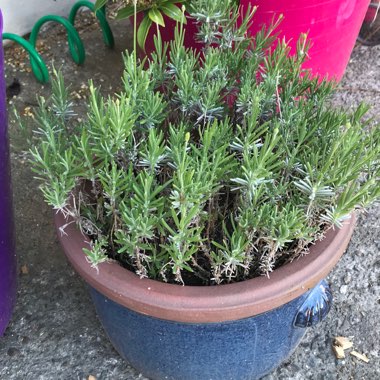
point(332, 27)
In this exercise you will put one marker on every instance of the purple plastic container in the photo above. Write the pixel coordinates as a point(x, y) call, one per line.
point(8, 265)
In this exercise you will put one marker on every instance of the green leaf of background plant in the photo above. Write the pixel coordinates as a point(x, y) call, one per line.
point(173, 12)
point(156, 16)
point(143, 31)
point(99, 4)
point(127, 12)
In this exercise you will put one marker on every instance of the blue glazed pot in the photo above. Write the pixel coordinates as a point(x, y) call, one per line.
point(237, 331)
point(245, 349)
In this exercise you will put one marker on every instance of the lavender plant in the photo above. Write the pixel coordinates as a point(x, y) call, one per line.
point(215, 166)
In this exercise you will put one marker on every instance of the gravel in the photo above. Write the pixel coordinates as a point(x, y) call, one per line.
point(55, 334)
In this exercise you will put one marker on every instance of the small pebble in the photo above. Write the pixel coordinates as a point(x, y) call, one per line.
point(24, 269)
point(343, 289)
point(347, 279)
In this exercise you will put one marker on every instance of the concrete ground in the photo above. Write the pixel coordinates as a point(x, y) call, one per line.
point(55, 334)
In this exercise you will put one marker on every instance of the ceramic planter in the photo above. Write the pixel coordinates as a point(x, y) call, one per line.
point(7, 248)
point(332, 28)
point(231, 332)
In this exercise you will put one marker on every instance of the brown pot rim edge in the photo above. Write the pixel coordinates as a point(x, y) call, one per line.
point(206, 304)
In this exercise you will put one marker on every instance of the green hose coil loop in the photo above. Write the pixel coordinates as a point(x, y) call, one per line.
point(38, 65)
point(75, 43)
point(76, 47)
point(100, 15)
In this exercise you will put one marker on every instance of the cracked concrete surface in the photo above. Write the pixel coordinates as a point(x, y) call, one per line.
point(55, 334)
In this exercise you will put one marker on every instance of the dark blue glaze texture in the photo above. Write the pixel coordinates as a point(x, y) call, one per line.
point(238, 350)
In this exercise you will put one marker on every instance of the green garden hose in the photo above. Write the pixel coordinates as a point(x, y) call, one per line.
point(100, 15)
point(76, 47)
point(75, 43)
point(38, 65)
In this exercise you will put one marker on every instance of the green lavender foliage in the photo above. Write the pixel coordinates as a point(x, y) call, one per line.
point(221, 164)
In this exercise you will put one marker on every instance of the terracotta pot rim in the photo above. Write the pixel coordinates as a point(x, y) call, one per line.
point(206, 304)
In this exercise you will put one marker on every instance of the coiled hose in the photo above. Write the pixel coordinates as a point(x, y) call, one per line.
point(76, 46)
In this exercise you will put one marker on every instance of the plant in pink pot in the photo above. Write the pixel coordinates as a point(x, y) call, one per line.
point(332, 26)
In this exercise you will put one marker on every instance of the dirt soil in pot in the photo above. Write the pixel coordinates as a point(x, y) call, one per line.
point(54, 333)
